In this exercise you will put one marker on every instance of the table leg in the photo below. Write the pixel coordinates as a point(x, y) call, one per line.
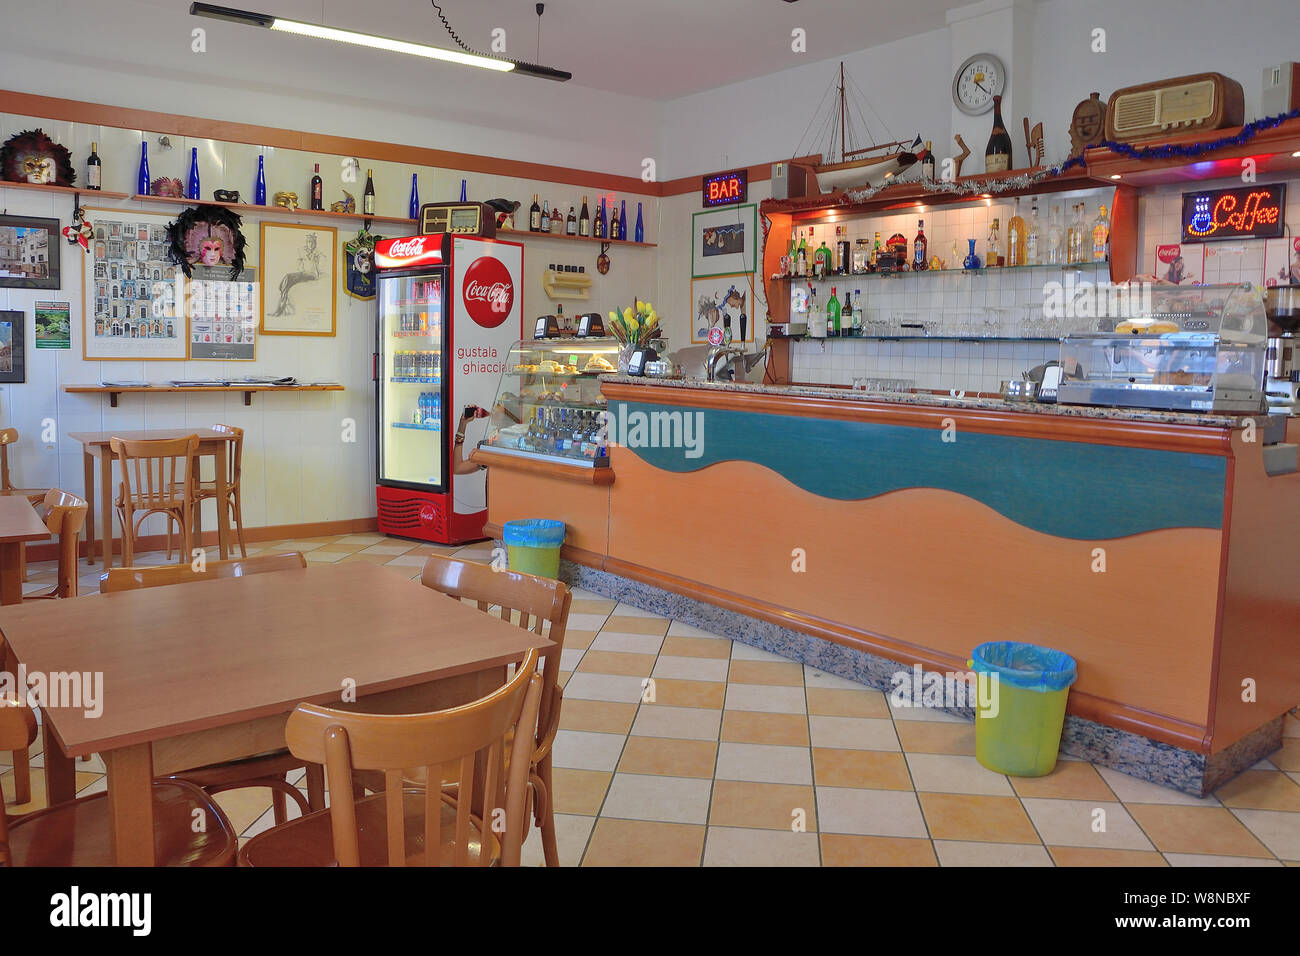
point(106, 505)
point(60, 769)
point(88, 461)
point(21, 759)
point(223, 512)
point(11, 576)
point(130, 804)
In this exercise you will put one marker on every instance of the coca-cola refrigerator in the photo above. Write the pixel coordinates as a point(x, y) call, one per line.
point(450, 308)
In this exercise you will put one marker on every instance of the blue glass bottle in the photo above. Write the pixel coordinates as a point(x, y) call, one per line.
point(192, 190)
point(971, 261)
point(622, 219)
point(640, 226)
point(462, 191)
point(142, 181)
point(604, 220)
point(415, 197)
point(259, 191)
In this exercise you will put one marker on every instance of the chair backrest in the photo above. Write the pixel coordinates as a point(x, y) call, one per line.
point(471, 734)
point(152, 469)
point(534, 599)
point(132, 579)
point(235, 454)
point(64, 514)
point(17, 732)
point(7, 437)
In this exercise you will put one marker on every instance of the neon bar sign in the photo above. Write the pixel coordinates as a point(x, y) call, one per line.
point(726, 189)
point(1248, 212)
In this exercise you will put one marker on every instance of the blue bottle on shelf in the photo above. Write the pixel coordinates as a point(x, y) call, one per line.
point(604, 220)
point(259, 191)
point(462, 191)
point(640, 226)
point(622, 219)
point(142, 181)
point(192, 189)
point(415, 197)
point(971, 261)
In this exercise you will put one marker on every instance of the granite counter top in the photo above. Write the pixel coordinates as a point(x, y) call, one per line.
point(1209, 420)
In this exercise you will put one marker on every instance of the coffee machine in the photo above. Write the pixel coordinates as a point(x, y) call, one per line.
point(1282, 306)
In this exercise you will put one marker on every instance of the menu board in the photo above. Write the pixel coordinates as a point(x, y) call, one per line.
point(222, 314)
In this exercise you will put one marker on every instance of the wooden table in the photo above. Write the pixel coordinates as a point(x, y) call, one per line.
point(199, 673)
point(94, 445)
point(19, 523)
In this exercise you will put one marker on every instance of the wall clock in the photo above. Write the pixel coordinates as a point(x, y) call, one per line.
point(978, 80)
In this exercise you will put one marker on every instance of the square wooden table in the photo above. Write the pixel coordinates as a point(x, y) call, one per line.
point(94, 445)
point(200, 673)
point(19, 523)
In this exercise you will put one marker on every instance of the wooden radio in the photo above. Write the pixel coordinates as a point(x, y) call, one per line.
point(1202, 101)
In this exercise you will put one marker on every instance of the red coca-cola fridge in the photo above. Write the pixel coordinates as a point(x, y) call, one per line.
point(450, 307)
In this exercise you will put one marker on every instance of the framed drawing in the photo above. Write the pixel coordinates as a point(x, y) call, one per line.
point(13, 351)
point(29, 253)
point(132, 293)
point(723, 302)
point(299, 266)
point(724, 241)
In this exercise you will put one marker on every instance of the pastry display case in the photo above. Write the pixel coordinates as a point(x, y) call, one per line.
point(548, 405)
point(1183, 348)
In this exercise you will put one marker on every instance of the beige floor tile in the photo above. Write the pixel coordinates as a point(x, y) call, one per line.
point(1071, 780)
point(578, 639)
point(590, 606)
point(677, 646)
point(689, 693)
point(740, 651)
point(852, 733)
point(844, 849)
point(1261, 790)
point(1093, 857)
point(765, 699)
point(362, 556)
point(244, 806)
point(761, 763)
point(976, 817)
point(1290, 725)
point(682, 629)
point(869, 812)
point(923, 713)
point(406, 561)
point(962, 853)
point(642, 843)
point(860, 769)
point(947, 773)
point(584, 750)
point(627, 643)
point(691, 723)
point(1078, 823)
point(624, 609)
point(776, 673)
point(833, 702)
point(771, 806)
point(1288, 758)
point(690, 668)
point(606, 717)
point(619, 623)
point(635, 796)
point(934, 737)
point(580, 791)
point(812, 677)
point(746, 727)
point(610, 687)
point(1132, 790)
point(727, 846)
point(1197, 830)
point(586, 621)
point(669, 756)
point(38, 800)
point(326, 557)
point(613, 662)
point(1278, 830)
point(571, 834)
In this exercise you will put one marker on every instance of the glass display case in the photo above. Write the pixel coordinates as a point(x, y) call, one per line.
point(1193, 349)
point(548, 404)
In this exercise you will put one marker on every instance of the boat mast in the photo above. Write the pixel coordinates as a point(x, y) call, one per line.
point(843, 142)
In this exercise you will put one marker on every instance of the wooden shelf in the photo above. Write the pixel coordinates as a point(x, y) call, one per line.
point(250, 208)
point(561, 236)
point(566, 285)
point(1271, 150)
point(113, 391)
point(69, 190)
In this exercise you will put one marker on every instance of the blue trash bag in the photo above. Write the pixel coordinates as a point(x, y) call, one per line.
point(1026, 665)
point(534, 533)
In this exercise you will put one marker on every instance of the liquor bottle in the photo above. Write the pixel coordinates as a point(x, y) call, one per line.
point(613, 224)
point(1033, 238)
point(832, 316)
point(317, 190)
point(622, 219)
point(94, 169)
point(534, 216)
point(462, 191)
point(1054, 238)
point(546, 215)
point(859, 316)
point(639, 234)
point(997, 154)
point(1016, 237)
point(368, 197)
point(571, 224)
point(801, 260)
point(584, 219)
point(413, 207)
point(1076, 233)
point(848, 321)
point(1101, 236)
point(927, 164)
point(824, 258)
point(920, 248)
point(875, 254)
point(602, 223)
point(142, 180)
point(192, 187)
point(816, 321)
point(259, 189)
point(994, 244)
point(557, 220)
point(844, 252)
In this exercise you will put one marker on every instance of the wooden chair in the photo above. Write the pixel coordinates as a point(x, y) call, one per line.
point(412, 825)
point(79, 832)
point(9, 436)
point(263, 770)
point(64, 514)
point(234, 465)
point(535, 601)
point(165, 472)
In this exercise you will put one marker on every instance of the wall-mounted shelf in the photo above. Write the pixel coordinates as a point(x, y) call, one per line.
point(243, 208)
point(855, 276)
point(566, 238)
point(921, 338)
point(113, 391)
point(566, 285)
point(69, 190)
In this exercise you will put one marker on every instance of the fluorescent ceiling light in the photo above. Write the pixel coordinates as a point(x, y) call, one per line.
point(317, 31)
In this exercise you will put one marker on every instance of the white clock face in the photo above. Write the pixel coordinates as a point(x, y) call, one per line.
point(979, 79)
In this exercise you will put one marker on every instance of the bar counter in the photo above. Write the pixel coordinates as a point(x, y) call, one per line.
point(865, 533)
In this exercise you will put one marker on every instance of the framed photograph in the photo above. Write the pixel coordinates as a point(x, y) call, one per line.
point(724, 241)
point(222, 314)
point(29, 253)
point(13, 351)
point(726, 303)
point(299, 266)
point(133, 302)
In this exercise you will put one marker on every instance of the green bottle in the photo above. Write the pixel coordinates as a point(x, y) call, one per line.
point(824, 257)
point(833, 316)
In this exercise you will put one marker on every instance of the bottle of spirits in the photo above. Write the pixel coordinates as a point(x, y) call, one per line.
point(318, 192)
point(801, 259)
point(546, 215)
point(535, 216)
point(920, 249)
point(613, 225)
point(584, 219)
point(832, 316)
point(142, 180)
point(259, 190)
point(816, 321)
point(859, 316)
point(875, 254)
point(571, 224)
point(1033, 238)
point(368, 197)
point(639, 234)
point(845, 251)
point(927, 164)
point(1101, 236)
point(94, 169)
point(622, 219)
point(1016, 237)
point(1055, 236)
point(994, 244)
point(997, 154)
point(413, 207)
point(557, 220)
point(824, 258)
point(848, 321)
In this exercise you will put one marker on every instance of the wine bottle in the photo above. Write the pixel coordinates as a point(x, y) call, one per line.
point(317, 190)
point(546, 215)
point(192, 186)
point(920, 248)
point(613, 225)
point(602, 223)
point(368, 197)
point(832, 316)
point(142, 180)
point(413, 209)
point(571, 224)
point(535, 216)
point(94, 169)
point(259, 189)
point(927, 164)
point(848, 325)
point(584, 219)
point(639, 235)
point(997, 154)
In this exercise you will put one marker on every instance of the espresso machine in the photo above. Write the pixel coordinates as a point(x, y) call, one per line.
point(1282, 306)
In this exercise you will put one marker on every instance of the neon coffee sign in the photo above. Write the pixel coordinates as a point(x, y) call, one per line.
point(1247, 212)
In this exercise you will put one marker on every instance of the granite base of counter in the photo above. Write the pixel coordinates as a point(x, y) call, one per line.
point(1169, 766)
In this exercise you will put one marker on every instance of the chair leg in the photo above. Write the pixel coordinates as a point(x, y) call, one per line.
point(169, 537)
point(22, 776)
point(197, 541)
point(278, 808)
point(547, 823)
point(315, 786)
point(128, 538)
point(239, 524)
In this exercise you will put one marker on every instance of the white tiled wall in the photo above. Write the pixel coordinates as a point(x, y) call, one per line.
point(970, 366)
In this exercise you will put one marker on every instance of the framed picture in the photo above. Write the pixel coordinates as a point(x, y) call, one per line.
point(222, 314)
point(53, 325)
point(13, 351)
point(299, 267)
point(723, 302)
point(133, 295)
point(29, 253)
point(724, 241)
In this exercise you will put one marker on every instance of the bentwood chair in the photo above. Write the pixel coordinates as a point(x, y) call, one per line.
point(9, 436)
point(79, 832)
point(263, 770)
point(234, 464)
point(63, 514)
point(413, 826)
point(158, 477)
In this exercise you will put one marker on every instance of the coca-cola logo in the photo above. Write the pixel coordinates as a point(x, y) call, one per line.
point(1168, 254)
point(488, 291)
point(405, 248)
point(428, 514)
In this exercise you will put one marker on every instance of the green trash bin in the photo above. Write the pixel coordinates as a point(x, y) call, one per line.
point(533, 546)
point(1022, 734)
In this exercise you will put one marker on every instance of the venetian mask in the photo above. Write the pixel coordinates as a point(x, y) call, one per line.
point(210, 251)
point(39, 169)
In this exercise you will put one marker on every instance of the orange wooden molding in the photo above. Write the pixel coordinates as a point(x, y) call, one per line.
point(553, 469)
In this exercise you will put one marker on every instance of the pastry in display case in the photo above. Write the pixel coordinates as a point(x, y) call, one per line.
point(1194, 349)
point(549, 404)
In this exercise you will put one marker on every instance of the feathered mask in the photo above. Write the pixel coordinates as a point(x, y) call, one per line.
point(207, 236)
point(32, 157)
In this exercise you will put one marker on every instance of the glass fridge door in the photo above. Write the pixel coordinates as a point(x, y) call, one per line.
point(411, 414)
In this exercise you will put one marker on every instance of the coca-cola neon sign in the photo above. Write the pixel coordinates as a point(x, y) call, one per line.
point(407, 252)
point(1250, 212)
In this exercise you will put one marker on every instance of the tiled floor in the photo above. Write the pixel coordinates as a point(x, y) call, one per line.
point(743, 758)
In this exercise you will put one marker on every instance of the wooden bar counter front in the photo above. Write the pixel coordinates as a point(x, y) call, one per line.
point(864, 535)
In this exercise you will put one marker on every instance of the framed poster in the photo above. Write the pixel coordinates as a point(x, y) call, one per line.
point(13, 353)
point(132, 293)
point(725, 303)
point(299, 279)
point(53, 325)
point(222, 314)
point(29, 253)
point(724, 241)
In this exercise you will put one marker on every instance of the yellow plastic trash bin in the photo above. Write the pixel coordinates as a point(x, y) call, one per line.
point(1020, 734)
point(533, 546)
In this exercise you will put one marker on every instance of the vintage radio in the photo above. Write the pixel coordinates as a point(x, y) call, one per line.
point(1203, 101)
point(458, 218)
